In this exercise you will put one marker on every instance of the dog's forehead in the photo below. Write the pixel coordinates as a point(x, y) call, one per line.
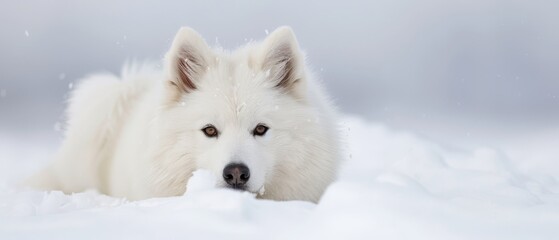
point(235, 90)
point(237, 76)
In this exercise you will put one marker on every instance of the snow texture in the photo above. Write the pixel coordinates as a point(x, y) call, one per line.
point(393, 185)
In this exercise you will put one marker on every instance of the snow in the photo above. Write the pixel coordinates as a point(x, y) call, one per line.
point(393, 185)
point(201, 180)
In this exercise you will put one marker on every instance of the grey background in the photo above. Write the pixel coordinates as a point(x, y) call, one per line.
point(409, 64)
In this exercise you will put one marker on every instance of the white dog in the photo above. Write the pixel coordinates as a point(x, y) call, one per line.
point(255, 117)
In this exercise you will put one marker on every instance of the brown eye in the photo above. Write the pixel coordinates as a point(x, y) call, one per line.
point(260, 130)
point(210, 131)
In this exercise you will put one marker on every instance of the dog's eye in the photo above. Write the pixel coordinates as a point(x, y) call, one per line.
point(260, 130)
point(210, 131)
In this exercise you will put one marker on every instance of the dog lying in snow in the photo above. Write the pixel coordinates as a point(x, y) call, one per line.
point(255, 117)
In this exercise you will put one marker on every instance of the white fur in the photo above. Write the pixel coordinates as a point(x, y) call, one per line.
point(140, 136)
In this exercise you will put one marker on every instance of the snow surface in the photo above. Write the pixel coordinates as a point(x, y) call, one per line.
point(393, 185)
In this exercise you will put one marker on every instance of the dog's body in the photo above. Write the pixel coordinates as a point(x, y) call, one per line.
point(254, 117)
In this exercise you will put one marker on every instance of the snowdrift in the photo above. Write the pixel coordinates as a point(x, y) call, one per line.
point(393, 185)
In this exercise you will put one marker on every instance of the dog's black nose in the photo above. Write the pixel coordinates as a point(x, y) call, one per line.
point(236, 175)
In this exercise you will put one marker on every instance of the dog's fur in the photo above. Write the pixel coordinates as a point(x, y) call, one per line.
point(140, 136)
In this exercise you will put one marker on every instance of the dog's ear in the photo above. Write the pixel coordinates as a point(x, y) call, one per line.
point(282, 60)
point(187, 60)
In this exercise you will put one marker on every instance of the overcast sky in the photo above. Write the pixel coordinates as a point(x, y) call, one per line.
point(378, 59)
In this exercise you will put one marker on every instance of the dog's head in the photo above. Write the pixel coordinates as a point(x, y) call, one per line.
point(241, 115)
